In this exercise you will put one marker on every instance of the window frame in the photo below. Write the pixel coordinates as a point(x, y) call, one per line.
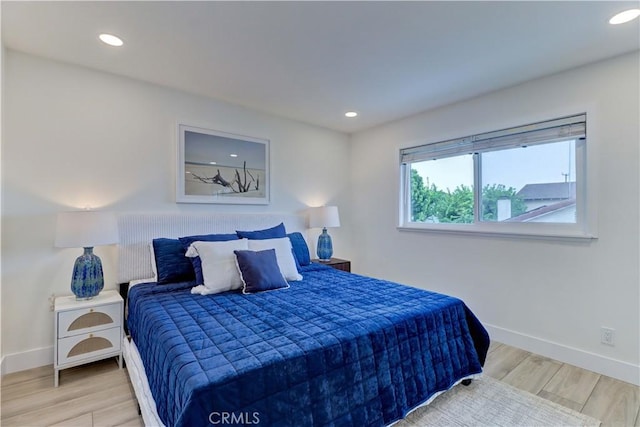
point(583, 228)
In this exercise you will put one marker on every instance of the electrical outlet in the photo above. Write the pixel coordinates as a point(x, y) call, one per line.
point(52, 301)
point(607, 336)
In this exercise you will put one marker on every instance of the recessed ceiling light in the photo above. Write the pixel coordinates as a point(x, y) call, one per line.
point(351, 114)
point(212, 163)
point(626, 16)
point(233, 155)
point(111, 40)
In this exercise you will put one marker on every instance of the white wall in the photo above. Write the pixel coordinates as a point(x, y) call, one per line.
point(75, 137)
point(2, 62)
point(550, 297)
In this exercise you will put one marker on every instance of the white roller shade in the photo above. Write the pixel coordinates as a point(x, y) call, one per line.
point(566, 128)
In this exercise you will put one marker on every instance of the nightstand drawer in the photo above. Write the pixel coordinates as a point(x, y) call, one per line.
point(82, 321)
point(85, 346)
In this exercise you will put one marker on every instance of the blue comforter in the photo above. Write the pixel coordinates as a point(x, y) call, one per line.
point(334, 349)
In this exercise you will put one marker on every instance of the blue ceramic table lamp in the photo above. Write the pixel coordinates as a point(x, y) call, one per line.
point(324, 217)
point(86, 229)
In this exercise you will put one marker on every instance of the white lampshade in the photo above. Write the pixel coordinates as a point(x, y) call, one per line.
point(86, 229)
point(324, 216)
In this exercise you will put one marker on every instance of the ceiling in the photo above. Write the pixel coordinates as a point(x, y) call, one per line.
point(313, 61)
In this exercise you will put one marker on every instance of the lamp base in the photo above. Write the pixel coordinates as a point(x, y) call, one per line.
point(325, 246)
point(87, 280)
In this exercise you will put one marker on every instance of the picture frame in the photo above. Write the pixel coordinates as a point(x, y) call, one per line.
point(221, 167)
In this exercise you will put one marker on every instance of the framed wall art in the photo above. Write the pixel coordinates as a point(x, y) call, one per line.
point(221, 167)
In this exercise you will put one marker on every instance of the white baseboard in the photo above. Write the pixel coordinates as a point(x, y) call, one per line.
point(618, 369)
point(26, 360)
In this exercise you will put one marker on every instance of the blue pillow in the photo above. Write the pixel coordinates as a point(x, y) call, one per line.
point(269, 233)
point(196, 262)
point(300, 248)
point(171, 264)
point(259, 271)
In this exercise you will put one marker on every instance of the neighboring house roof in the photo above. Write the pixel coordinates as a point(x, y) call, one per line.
point(543, 210)
point(548, 191)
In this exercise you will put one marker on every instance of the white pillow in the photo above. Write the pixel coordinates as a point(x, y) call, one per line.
point(219, 269)
point(132, 283)
point(153, 262)
point(284, 255)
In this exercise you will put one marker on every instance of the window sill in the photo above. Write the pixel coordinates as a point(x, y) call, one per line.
point(548, 232)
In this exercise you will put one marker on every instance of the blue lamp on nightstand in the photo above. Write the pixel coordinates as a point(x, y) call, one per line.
point(86, 229)
point(324, 217)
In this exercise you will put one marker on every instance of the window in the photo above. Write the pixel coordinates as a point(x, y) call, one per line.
point(526, 180)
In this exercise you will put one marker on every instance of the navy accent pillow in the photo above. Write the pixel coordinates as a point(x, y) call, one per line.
point(269, 233)
point(259, 271)
point(171, 264)
point(295, 258)
point(300, 248)
point(196, 262)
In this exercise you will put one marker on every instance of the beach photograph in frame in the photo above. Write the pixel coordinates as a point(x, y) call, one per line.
point(221, 167)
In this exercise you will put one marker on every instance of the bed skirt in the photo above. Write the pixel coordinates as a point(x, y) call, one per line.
point(140, 384)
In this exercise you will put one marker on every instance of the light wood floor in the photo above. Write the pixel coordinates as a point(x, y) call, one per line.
point(613, 402)
point(100, 394)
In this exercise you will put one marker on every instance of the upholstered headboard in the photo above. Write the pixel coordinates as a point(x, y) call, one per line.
point(138, 230)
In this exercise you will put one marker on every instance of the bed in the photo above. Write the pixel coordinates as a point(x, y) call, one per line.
point(334, 348)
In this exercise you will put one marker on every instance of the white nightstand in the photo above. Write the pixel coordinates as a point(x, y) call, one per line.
point(86, 331)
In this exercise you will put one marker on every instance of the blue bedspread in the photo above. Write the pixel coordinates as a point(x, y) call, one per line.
point(334, 349)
